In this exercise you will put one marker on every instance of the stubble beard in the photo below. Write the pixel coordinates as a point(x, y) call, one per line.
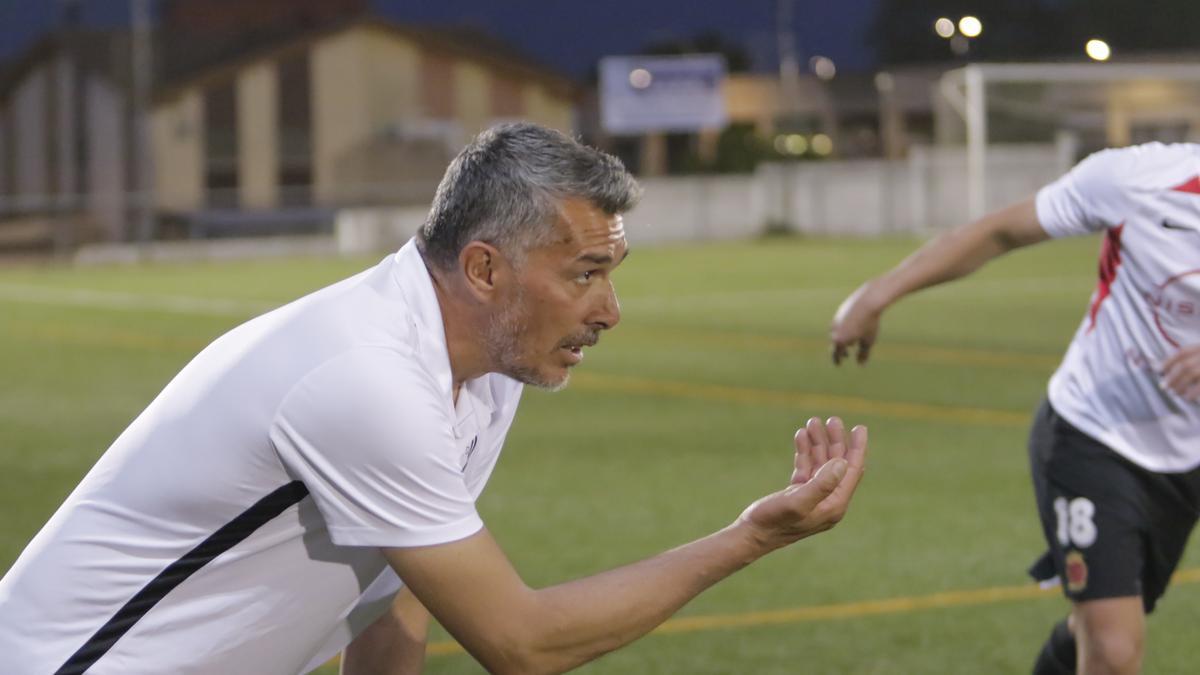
point(504, 336)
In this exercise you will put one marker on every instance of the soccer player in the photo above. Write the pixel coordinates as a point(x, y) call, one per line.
point(308, 482)
point(1115, 447)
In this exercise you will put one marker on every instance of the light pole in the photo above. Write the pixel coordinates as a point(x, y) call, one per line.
point(789, 62)
point(789, 90)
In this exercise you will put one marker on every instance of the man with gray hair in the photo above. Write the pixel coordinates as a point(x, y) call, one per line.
point(307, 483)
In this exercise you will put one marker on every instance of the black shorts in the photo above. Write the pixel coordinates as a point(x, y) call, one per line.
point(1114, 529)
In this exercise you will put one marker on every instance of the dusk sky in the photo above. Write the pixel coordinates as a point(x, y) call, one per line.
point(568, 35)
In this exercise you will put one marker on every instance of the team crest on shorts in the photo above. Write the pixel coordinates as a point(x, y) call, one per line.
point(1077, 572)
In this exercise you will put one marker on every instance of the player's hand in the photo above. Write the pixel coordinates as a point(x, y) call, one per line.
point(856, 323)
point(1181, 373)
point(825, 472)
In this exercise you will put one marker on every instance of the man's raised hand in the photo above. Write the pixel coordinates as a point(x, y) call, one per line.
point(826, 469)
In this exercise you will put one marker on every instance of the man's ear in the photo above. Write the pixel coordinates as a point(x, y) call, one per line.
point(481, 264)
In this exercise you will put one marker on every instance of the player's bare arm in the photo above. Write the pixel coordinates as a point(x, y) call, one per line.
point(949, 256)
point(471, 587)
point(394, 644)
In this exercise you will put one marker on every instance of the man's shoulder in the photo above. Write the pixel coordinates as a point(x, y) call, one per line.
point(1146, 166)
point(374, 369)
point(366, 393)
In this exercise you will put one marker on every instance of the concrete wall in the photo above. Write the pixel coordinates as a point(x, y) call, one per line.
point(366, 87)
point(856, 198)
point(368, 230)
point(340, 84)
point(178, 131)
point(473, 105)
point(106, 158)
point(849, 198)
point(258, 136)
point(29, 110)
point(393, 71)
point(937, 180)
point(696, 208)
point(67, 179)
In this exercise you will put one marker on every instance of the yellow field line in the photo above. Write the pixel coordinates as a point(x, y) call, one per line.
point(810, 403)
point(801, 347)
point(885, 352)
point(848, 610)
point(72, 335)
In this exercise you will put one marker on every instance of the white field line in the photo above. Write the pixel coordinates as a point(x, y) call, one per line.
point(736, 298)
point(183, 304)
point(131, 302)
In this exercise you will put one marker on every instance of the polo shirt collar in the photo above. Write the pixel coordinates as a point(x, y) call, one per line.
point(416, 285)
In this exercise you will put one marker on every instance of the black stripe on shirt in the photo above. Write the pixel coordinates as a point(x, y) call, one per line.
point(231, 534)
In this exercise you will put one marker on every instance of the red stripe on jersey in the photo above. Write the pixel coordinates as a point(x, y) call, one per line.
point(1192, 186)
point(1110, 260)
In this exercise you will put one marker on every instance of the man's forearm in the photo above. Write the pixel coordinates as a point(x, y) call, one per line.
point(510, 628)
point(474, 591)
point(959, 252)
point(592, 616)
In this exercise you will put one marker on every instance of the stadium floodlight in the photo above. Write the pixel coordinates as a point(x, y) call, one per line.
point(823, 67)
point(1097, 49)
point(970, 26)
point(944, 27)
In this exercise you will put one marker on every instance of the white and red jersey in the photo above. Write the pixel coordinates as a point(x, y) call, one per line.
point(1146, 307)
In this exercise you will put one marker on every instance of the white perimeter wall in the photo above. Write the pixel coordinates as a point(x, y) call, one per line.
point(854, 198)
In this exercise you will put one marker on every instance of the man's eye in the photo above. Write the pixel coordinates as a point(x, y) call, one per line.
point(587, 276)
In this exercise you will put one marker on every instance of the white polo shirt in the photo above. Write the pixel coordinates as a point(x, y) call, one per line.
point(1146, 200)
point(234, 526)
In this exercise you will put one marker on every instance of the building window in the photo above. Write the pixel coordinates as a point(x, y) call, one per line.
point(295, 131)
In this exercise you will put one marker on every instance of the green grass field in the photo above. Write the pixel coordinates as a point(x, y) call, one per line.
point(676, 421)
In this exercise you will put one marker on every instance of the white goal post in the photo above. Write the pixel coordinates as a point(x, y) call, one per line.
point(1084, 105)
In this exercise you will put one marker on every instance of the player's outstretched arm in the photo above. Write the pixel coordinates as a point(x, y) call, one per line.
point(473, 590)
point(951, 255)
point(394, 644)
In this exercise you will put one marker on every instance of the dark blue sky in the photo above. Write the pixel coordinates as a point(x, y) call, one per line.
point(568, 34)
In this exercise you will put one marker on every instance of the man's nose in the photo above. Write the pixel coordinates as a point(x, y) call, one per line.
point(609, 313)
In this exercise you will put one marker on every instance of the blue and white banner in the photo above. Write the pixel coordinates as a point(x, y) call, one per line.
point(640, 94)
